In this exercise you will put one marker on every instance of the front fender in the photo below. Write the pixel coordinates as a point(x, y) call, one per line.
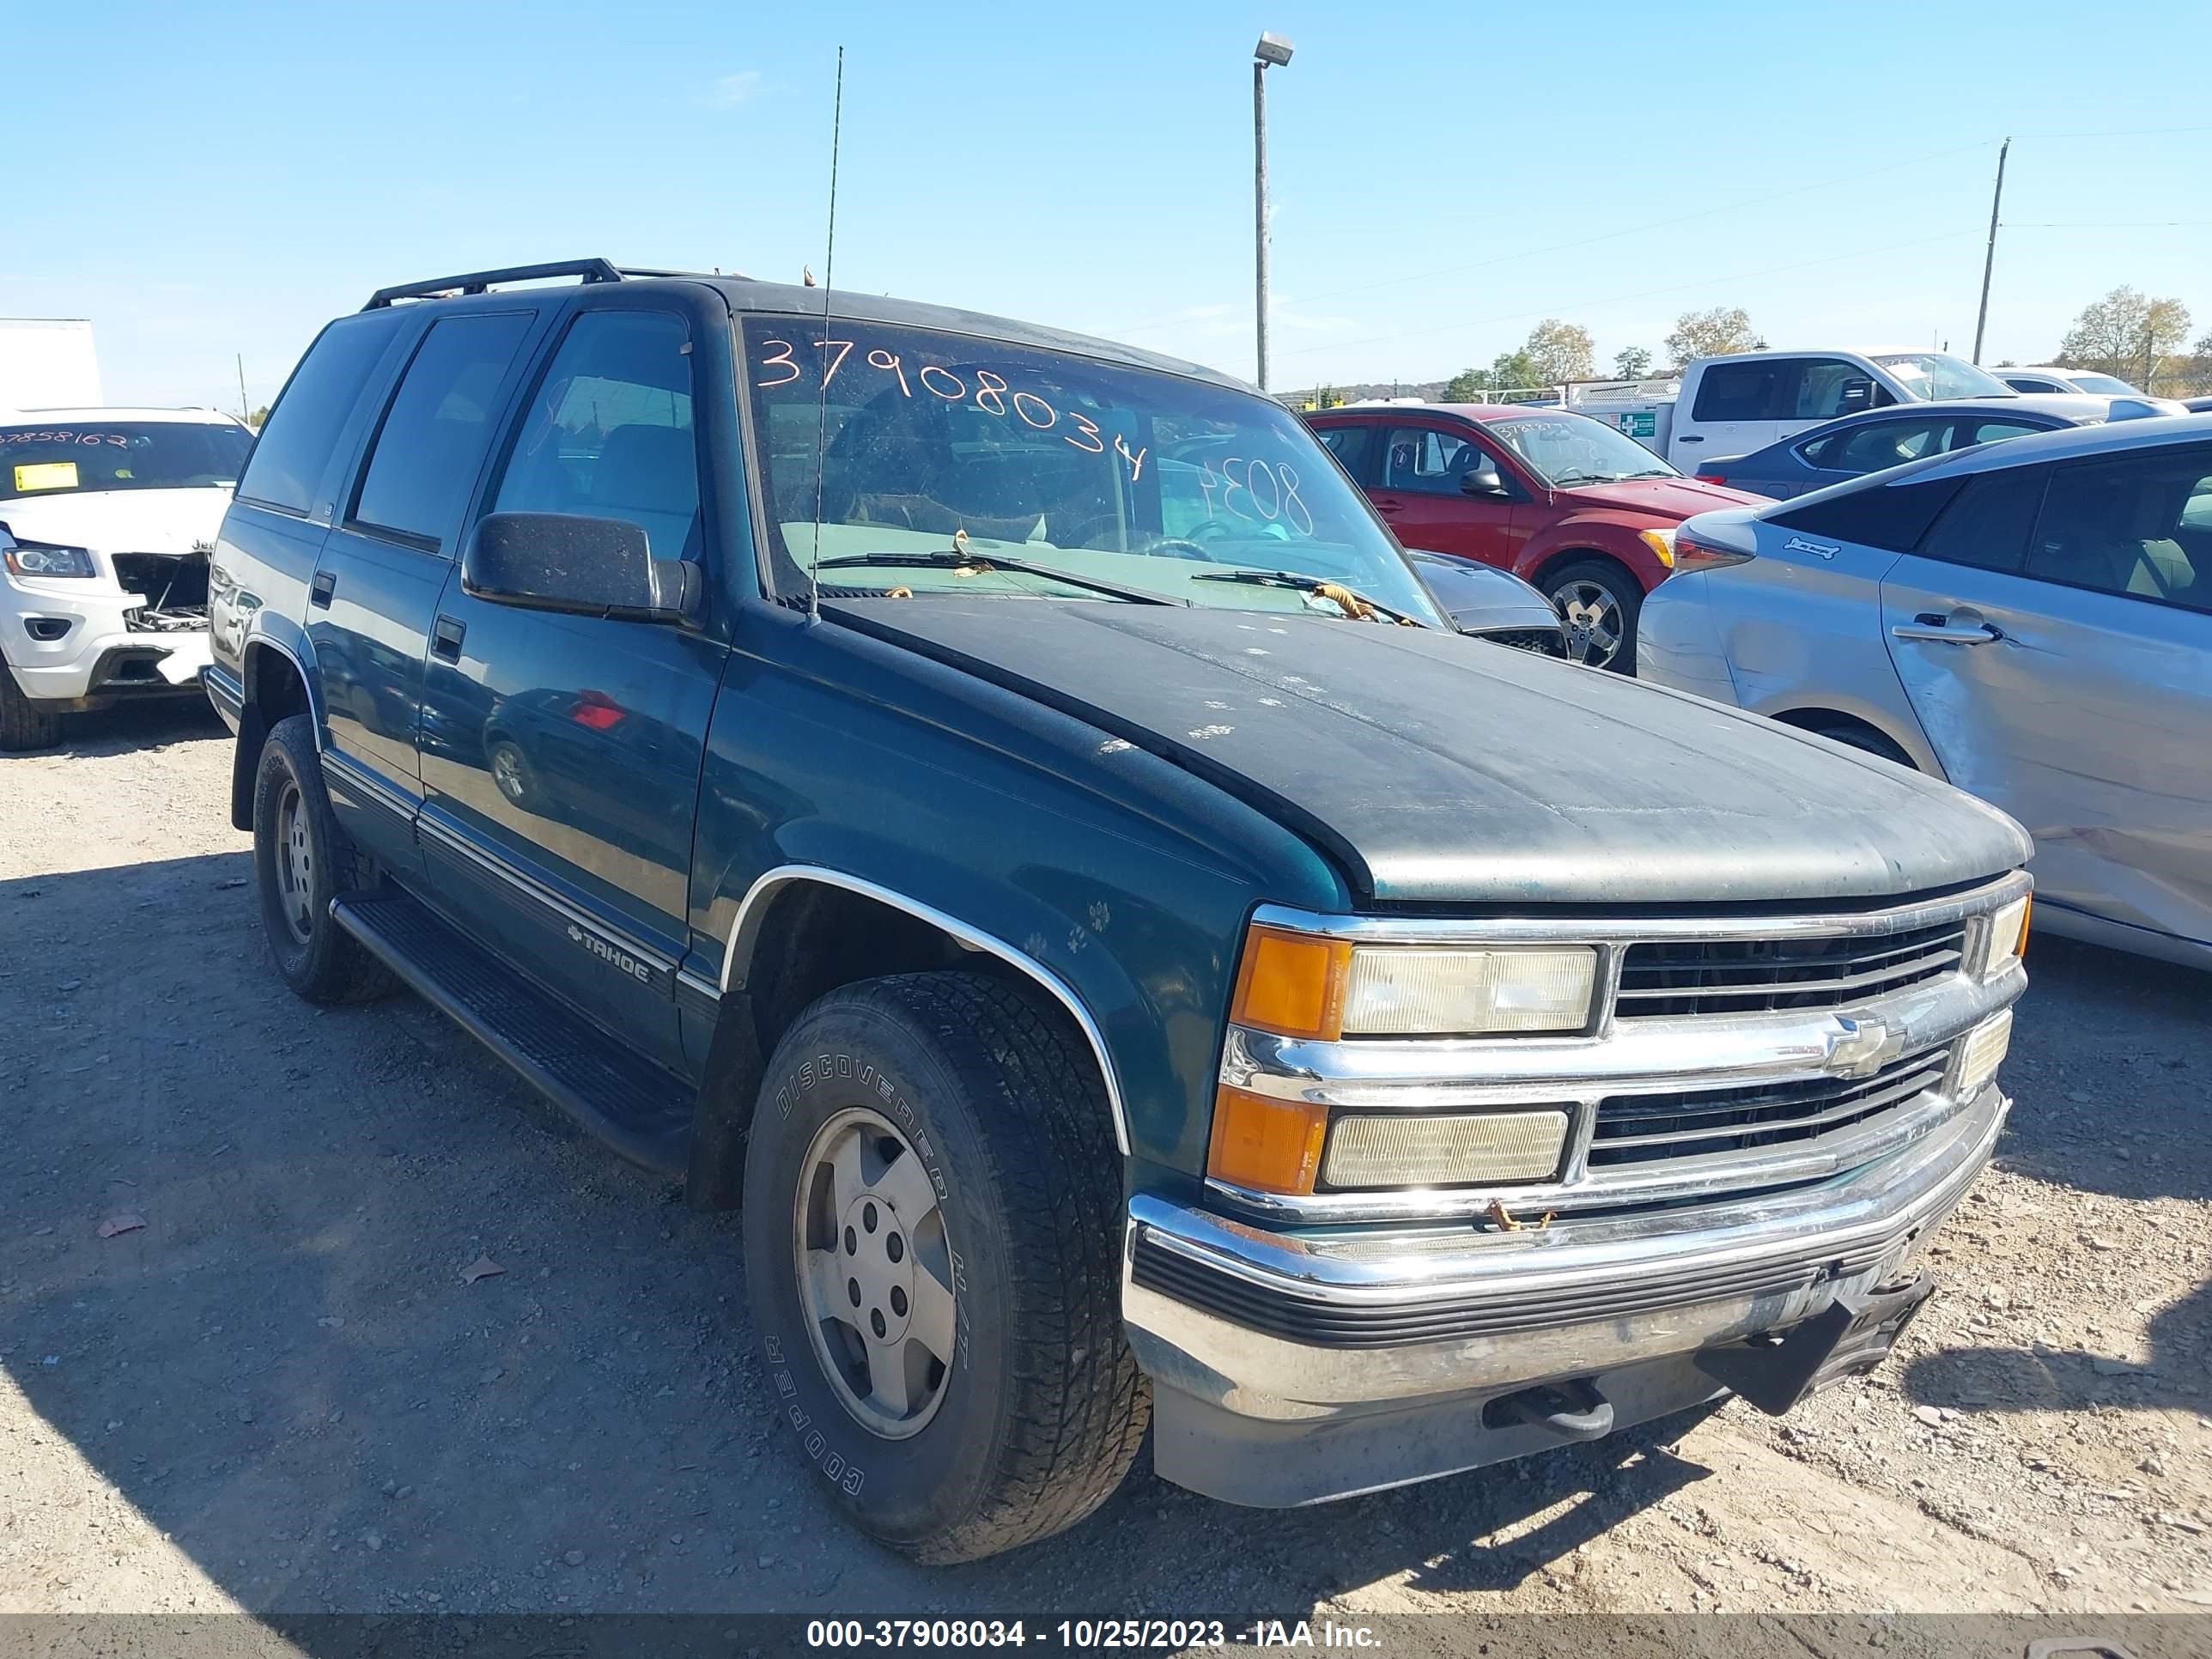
point(1580, 535)
point(1107, 875)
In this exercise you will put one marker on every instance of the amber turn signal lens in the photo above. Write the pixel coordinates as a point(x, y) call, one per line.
point(1291, 984)
point(2027, 916)
point(1268, 1146)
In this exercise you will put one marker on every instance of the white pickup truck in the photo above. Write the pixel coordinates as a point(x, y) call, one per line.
point(1732, 404)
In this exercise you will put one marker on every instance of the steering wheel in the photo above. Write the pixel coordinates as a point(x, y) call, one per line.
point(1181, 547)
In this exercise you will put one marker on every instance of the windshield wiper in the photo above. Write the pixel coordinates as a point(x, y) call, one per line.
point(979, 564)
point(1350, 601)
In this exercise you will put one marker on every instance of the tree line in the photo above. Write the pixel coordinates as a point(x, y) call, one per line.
point(2132, 335)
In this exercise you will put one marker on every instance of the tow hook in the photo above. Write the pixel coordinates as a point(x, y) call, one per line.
point(1573, 1411)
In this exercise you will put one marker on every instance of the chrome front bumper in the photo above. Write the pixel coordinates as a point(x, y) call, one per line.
point(1289, 1369)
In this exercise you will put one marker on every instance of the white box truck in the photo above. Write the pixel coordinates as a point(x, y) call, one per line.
point(48, 362)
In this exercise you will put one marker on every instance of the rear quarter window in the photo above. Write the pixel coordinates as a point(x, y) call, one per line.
point(1746, 392)
point(296, 444)
point(1890, 516)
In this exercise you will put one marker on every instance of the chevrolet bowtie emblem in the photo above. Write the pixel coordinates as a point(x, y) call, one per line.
point(1859, 1047)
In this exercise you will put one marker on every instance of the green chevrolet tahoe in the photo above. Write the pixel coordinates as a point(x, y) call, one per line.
point(1000, 808)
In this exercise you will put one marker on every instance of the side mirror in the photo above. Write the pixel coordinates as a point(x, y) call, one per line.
point(1482, 480)
point(585, 566)
point(1857, 395)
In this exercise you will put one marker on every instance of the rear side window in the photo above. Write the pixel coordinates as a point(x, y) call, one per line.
point(1893, 517)
point(296, 445)
point(438, 427)
point(1986, 525)
point(1877, 446)
point(1350, 444)
point(1970, 432)
point(1757, 391)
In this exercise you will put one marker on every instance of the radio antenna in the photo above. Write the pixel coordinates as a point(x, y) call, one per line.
point(822, 418)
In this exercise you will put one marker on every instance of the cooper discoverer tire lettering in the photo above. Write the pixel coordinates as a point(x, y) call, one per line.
point(972, 1128)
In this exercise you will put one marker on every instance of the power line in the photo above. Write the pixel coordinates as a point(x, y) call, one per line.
point(1603, 236)
point(2106, 224)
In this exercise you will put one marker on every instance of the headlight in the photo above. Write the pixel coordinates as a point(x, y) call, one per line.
point(1983, 1052)
point(2008, 935)
point(1304, 985)
point(1661, 542)
point(1396, 992)
point(1300, 986)
point(43, 559)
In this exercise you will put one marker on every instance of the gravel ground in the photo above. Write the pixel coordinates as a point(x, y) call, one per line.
point(282, 1394)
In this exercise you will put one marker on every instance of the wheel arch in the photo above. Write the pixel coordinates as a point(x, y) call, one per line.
point(1825, 721)
point(1549, 564)
point(276, 685)
point(778, 901)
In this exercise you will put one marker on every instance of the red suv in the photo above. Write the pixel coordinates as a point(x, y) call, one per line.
point(1559, 499)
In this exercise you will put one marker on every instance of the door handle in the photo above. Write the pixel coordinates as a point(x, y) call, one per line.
point(446, 636)
point(319, 591)
point(1691, 438)
point(1386, 508)
point(1943, 631)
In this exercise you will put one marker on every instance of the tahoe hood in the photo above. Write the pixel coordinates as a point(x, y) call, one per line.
point(1439, 768)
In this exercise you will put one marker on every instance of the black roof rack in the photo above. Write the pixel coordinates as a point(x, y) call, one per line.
point(479, 282)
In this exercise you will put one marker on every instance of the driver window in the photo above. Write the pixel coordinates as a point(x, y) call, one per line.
point(1827, 387)
point(1427, 461)
point(608, 433)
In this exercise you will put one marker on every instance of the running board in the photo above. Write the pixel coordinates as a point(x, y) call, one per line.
point(641, 1111)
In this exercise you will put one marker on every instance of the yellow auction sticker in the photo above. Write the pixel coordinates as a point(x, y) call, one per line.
point(46, 475)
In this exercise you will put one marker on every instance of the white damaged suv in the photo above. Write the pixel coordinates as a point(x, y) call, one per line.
point(106, 519)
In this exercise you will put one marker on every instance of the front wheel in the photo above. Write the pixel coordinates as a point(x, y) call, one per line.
point(1599, 601)
point(23, 723)
point(932, 1214)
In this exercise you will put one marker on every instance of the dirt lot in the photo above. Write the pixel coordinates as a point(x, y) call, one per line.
point(281, 1393)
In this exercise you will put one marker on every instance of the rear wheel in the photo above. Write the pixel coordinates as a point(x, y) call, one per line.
point(302, 861)
point(23, 723)
point(1599, 601)
point(932, 1252)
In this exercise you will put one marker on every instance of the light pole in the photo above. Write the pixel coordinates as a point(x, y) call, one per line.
point(1272, 50)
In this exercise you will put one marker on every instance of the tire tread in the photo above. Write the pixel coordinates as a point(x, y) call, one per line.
point(1081, 1405)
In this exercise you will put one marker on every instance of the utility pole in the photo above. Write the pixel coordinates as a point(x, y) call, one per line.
point(1272, 50)
point(244, 413)
point(1989, 260)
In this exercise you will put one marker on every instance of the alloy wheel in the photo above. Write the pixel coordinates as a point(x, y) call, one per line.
point(1592, 614)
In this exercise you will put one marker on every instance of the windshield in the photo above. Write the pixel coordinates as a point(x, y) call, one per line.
point(1934, 374)
point(97, 455)
point(1126, 476)
point(77, 456)
point(1574, 449)
point(2105, 386)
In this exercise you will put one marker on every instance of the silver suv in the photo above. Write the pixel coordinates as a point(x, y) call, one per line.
point(2032, 622)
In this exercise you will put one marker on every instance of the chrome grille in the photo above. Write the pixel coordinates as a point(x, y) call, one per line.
point(1646, 1128)
point(1759, 975)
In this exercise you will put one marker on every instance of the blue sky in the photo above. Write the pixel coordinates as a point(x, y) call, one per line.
point(203, 181)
